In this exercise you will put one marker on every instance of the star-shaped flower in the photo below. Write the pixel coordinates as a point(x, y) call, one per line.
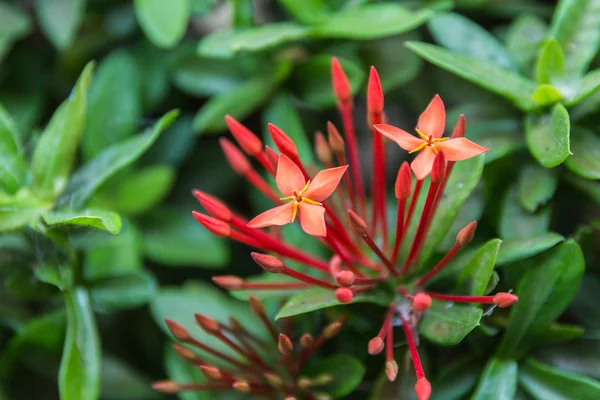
point(430, 128)
point(304, 198)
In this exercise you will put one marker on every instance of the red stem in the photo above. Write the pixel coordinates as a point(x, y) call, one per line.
point(399, 229)
point(254, 178)
point(204, 386)
point(273, 286)
point(379, 254)
point(389, 343)
point(440, 265)
point(341, 158)
point(379, 195)
point(413, 349)
point(411, 210)
point(346, 111)
point(307, 278)
point(463, 299)
point(387, 321)
point(336, 249)
point(262, 159)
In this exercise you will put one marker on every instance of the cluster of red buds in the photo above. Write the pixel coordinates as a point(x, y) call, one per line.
point(364, 255)
point(271, 368)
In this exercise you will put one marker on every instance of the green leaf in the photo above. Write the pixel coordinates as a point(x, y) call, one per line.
point(347, 373)
point(536, 186)
point(557, 333)
point(14, 170)
point(518, 223)
point(584, 307)
point(545, 291)
point(546, 95)
point(91, 218)
point(92, 175)
point(581, 90)
point(216, 44)
point(164, 23)
point(548, 136)
point(579, 357)
point(463, 36)
point(544, 382)
point(243, 13)
point(585, 160)
point(498, 380)
point(174, 145)
point(476, 274)
point(523, 39)
point(239, 103)
point(574, 26)
point(80, 366)
point(463, 180)
point(502, 137)
point(60, 20)
point(313, 80)
point(317, 298)
point(180, 303)
point(55, 152)
point(590, 188)
point(183, 371)
point(123, 292)
point(121, 382)
point(550, 67)
point(515, 88)
point(174, 238)
point(448, 324)
point(371, 21)
point(282, 112)
point(456, 380)
point(14, 21)
point(20, 209)
point(60, 276)
point(124, 197)
point(113, 103)
point(471, 210)
point(520, 249)
point(202, 7)
point(307, 11)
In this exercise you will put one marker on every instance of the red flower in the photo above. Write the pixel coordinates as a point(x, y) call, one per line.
point(430, 128)
point(304, 198)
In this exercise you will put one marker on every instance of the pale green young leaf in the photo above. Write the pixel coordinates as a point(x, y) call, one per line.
point(60, 20)
point(13, 169)
point(548, 136)
point(163, 22)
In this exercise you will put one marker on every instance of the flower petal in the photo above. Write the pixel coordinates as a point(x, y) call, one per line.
point(421, 165)
point(312, 219)
point(279, 215)
point(289, 177)
point(325, 183)
point(460, 149)
point(404, 139)
point(433, 120)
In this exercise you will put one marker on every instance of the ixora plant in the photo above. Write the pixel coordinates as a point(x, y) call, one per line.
point(369, 262)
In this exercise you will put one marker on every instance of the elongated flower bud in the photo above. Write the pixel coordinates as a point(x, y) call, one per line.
point(211, 372)
point(322, 149)
point(285, 345)
point(357, 223)
point(229, 282)
point(247, 140)
point(341, 85)
point(207, 324)
point(184, 353)
point(178, 331)
point(374, 93)
point(403, 185)
point(236, 159)
point(376, 345)
point(438, 171)
point(423, 389)
point(268, 263)
point(167, 387)
point(213, 225)
point(460, 129)
point(332, 329)
point(504, 299)
point(391, 370)
point(273, 157)
point(466, 234)
point(307, 340)
point(283, 142)
point(334, 138)
point(214, 206)
point(241, 386)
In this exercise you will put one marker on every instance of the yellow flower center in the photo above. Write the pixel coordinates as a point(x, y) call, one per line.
point(297, 198)
point(428, 141)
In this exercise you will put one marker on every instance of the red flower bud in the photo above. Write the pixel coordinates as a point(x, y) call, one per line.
point(168, 387)
point(207, 324)
point(307, 340)
point(345, 278)
point(268, 263)
point(283, 142)
point(285, 345)
point(178, 331)
point(273, 157)
point(241, 386)
point(376, 345)
point(461, 126)
point(335, 139)
point(322, 149)
point(214, 206)
point(332, 329)
point(247, 140)
point(403, 185)
point(236, 159)
point(391, 370)
point(374, 93)
point(229, 282)
point(358, 224)
point(423, 389)
point(257, 306)
point(214, 226)
point(344, 295)
point(504, 299)
point(341, 85)
point(421, 301)
point(184, 353)
point(438, 170)
point(466, 234)
point(211, 372)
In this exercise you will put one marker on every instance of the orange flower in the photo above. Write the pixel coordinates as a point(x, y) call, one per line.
point(304, 198)
point(430, 128)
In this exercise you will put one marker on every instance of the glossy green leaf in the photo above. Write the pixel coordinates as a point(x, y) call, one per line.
point(456, 380)
point(502, 137)
point(463, 36)
point(546, 95)
point(544, 382)
point(585, 160)
point(313, 80)
point(153, 75)
point(579, 357)
point(317, 298)
point(550, 67)
point(281, 111)
point(523, 38)
point(476, 274)
point(372, 21)
point(347, 373)
point(14, 170)
point(60, 276)
point(590, 188)
point(574, 26)
point(182, 371)
point(113, 103)
point(174, 238)
point(92, 175)
point(90, 218)
point(60, 20)
point(520, 249)
point(172, 147)
point(557, 333)
point(20, 209)
point(447, 324)
point(55, 152)
point(536, 186)
point(548, 136)
point(80, 366)
point(20, 283)
point(123, 196)
point(307, 11)
point(498, 380)
point(515, 88)
point(463, 180)
point(239, 103)
point(180, 303)
point(545, 291)
point(164, 23)
point(518, 223)
point(123, 292)
point(121, 381)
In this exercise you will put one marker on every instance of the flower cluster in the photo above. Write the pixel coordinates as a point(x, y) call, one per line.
point(255, 371)
point(364, 254)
